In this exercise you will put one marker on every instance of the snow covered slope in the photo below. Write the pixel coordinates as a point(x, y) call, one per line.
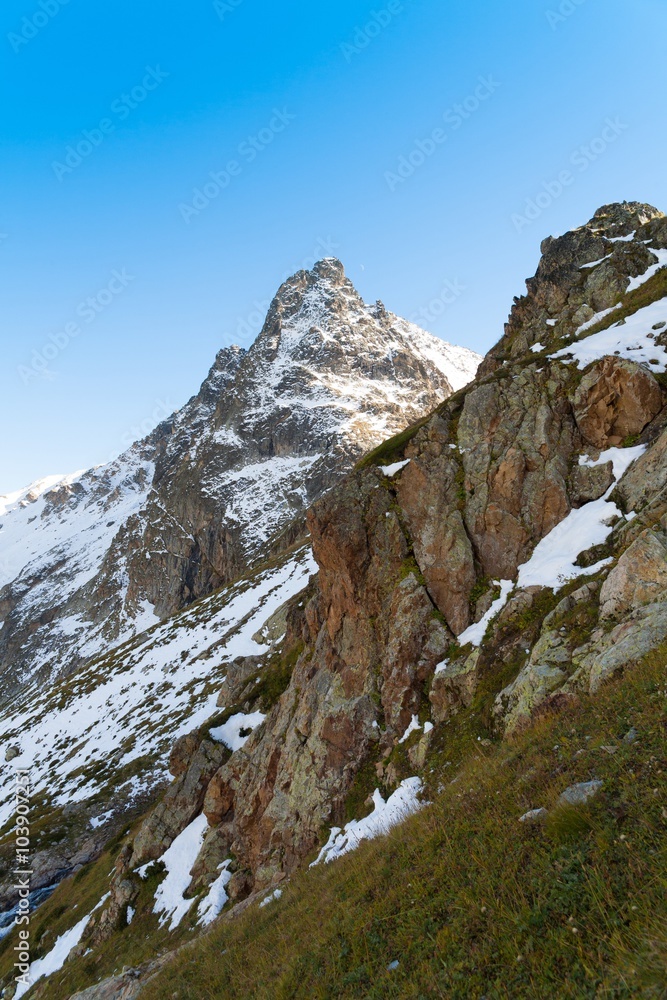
point(90, 560)
point(97, 744)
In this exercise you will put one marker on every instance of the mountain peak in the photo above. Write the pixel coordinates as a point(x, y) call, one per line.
point(227, 477)
point(583, 274)
point(329, 269)
point(623, 218)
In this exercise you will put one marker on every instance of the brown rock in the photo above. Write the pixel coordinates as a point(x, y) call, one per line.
point(441, 545)
point(182, 753)
point(614, 400)
point(517, 436)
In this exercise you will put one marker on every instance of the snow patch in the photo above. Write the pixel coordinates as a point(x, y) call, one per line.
point(653, 269)
point(230, 733)
point(401, 804)
point(211, 907)
point(476, 632)
point(56, 958)
point(633, 339)
point(170, 902)
point(391, 470)
point(276, 894)
point(594, 263)
point(413, 726)
point(98, 821)
point(552, 563)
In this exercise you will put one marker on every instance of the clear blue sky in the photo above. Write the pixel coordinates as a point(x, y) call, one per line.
point(172, 92)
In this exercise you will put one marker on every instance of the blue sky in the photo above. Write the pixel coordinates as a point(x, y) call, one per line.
point(120, 283)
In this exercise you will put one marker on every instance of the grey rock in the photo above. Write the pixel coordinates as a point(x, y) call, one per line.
point(579, 795)
point(534, 817)
point(626, 644)
point(517, 702)
point(639, 577)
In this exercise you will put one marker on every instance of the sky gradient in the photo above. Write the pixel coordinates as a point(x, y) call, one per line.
point(166, 166)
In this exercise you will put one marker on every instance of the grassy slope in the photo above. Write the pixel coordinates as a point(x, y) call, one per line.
point(472, 903)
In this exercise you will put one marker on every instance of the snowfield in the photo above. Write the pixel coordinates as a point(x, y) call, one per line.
point(129, 708)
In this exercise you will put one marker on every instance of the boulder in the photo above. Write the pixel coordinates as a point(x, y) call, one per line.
point(626, 644)
point(534, 817)
point(590, 482)
point(614, 400)
point(639, 577)
point(453, 687)
point(516, 704)
point(579, 795)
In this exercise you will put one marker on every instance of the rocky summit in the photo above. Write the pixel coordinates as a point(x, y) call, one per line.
point(473, 631)
point(90, 560)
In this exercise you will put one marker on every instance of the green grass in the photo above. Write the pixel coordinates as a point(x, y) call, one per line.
point(392, 450)
point(470, 902)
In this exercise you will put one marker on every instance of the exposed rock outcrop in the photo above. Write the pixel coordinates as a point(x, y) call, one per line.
point(640, 576)
point(615, 400)
point(407, 562)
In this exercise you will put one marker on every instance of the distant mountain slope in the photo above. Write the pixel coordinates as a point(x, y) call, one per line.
point(90, 560)
point(98, 747)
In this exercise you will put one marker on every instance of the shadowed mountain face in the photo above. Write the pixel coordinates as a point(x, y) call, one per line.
point(92, 559)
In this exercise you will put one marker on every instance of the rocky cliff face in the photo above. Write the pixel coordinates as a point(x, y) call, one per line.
point(512, 503)
point(90, 560)
point(503, 556)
